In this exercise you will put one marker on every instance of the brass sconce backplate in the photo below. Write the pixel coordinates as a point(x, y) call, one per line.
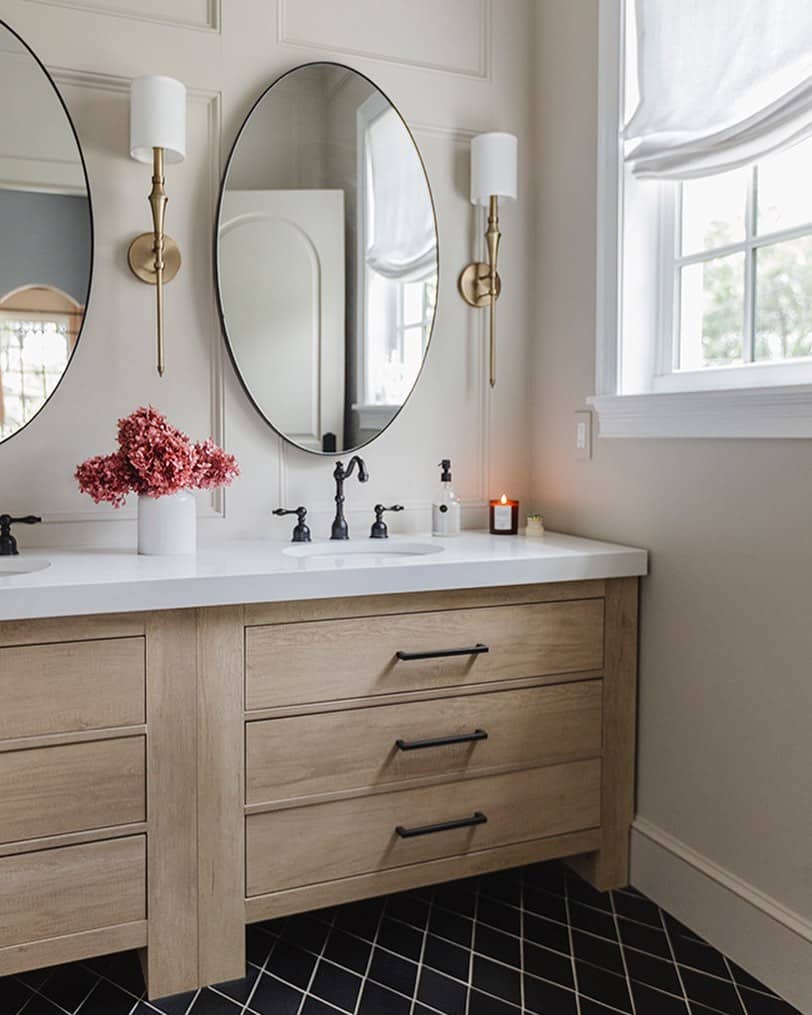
point(474, 284)
point(141, 258)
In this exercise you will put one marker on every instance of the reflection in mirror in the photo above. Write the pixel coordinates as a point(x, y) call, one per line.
point(45, 224)
point(327, 258)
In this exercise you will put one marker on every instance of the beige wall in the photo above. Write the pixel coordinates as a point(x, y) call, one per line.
point(453, 69)
point(725, 761)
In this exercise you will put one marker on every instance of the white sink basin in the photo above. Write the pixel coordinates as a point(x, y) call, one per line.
point(22, 565)
point(363, 548)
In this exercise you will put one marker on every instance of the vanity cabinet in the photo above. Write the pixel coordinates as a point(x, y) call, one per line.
point(167, 777)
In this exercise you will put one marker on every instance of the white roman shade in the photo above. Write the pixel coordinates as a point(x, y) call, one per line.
point(402, 243)
point(721, 82)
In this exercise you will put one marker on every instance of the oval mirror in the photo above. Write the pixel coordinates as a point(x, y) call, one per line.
point(47, 231)
point(326, 258)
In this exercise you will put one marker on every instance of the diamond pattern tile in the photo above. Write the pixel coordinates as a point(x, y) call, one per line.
point(532, 941)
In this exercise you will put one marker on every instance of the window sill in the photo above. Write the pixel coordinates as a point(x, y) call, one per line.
point(770, 412)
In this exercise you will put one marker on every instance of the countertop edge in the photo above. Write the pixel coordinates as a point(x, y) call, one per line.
point(129, 596)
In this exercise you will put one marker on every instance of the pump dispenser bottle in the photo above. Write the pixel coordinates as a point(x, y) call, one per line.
point(446, 513)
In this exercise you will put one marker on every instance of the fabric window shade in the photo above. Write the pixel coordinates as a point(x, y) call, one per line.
point(721, 83)
point(401, 242)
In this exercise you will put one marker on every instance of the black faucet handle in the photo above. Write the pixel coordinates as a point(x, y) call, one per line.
point(379, 529)
point(8, 544)
point(301, 532)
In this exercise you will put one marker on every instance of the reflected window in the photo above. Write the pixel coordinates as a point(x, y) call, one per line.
point(38, 330)
point(399, 276)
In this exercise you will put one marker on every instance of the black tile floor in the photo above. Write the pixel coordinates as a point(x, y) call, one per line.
point(538, 940)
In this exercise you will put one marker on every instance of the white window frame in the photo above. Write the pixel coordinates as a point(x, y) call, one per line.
point(770, 400)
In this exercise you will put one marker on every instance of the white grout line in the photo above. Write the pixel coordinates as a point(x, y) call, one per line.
point(316, 965)
point(735, 985)
point(260, 974)
point(676, 964)
point(422, 953)
point(622, 954)
point(365, 976)
point(521, 935)
point(471, 955)
point(572, 945)
point(78, 1007)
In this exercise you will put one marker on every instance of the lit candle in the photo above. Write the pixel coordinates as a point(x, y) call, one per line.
point(504, 516)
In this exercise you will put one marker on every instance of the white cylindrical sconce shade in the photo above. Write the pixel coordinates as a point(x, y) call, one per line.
point(494, 166)
point(157, 118)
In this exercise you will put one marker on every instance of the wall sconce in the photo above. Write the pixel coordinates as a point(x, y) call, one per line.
point(494, 174)
point(157, 135)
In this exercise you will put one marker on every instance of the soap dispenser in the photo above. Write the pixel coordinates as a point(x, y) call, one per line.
point(445, 511)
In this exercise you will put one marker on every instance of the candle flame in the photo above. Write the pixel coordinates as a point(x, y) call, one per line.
point(503, 499)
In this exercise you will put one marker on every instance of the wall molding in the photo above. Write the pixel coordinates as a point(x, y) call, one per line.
point(758, 932)
point(483, 72)
point(212, 101)
point(211, 22)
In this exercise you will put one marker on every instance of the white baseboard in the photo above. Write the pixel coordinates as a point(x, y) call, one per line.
point(760, 934)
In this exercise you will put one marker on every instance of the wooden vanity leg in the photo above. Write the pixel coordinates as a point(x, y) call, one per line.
point(609, 867)
point(221, 795)
point(170, 962)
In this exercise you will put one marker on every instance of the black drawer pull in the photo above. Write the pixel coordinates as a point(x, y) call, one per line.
point(477, 818)
point(459, 738)
point(476, 650)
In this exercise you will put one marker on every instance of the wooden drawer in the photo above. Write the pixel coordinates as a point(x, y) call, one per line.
point(317, 661)
point(334, 751)
point(51, 790)
point(70, 890)
point(71, 686)
point(322, 842)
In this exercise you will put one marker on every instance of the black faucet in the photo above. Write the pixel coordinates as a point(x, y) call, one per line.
point(340, 530)
point(8, 544)
point(301, 533)
point(379, 529)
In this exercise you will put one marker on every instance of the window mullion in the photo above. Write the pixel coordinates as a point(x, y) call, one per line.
point(748, 339)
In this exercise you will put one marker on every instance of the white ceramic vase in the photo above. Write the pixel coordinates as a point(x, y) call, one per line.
point(167, 526)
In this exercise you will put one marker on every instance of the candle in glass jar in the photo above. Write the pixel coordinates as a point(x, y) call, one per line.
point(504, 516)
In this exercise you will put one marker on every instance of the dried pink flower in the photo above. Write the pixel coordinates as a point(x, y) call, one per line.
point(155, 459)
point(213, 466)
point(106, 478)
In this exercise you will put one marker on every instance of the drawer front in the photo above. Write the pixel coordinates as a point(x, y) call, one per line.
point(334, 751)
point(289, 664)
point(71, 686)
point(78, 787)
point(73, 889)
point(322, 842)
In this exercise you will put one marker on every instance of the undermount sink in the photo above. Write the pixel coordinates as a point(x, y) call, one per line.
point(363, 548)
point(22, 565)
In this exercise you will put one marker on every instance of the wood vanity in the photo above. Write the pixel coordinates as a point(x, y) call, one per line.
point(167, 777)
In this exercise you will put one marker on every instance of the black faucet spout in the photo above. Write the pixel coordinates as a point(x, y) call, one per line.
point(340, 529)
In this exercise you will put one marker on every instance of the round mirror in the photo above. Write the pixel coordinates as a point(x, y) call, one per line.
point(46, 226)
point(326, 258)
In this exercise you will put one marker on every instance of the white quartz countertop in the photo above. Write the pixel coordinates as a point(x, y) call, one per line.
point(80, 582)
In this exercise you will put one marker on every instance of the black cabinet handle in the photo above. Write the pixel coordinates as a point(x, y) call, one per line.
point(459, 738)
point(477, 818)
point(476, 650)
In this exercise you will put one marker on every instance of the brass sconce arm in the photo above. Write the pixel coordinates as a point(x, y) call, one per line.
point(479, 283)
point(154, 257)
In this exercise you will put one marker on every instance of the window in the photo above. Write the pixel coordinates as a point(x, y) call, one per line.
point(740, 276)
point(38, 330)
point(398, 285)
point(704, 280)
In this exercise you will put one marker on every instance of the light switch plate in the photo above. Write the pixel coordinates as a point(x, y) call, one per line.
point(583, 435)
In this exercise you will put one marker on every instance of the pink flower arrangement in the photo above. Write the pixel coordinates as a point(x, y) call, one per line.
point(154, 459)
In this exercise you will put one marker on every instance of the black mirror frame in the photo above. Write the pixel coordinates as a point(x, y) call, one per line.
point(216, 260)
point(72, 125)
